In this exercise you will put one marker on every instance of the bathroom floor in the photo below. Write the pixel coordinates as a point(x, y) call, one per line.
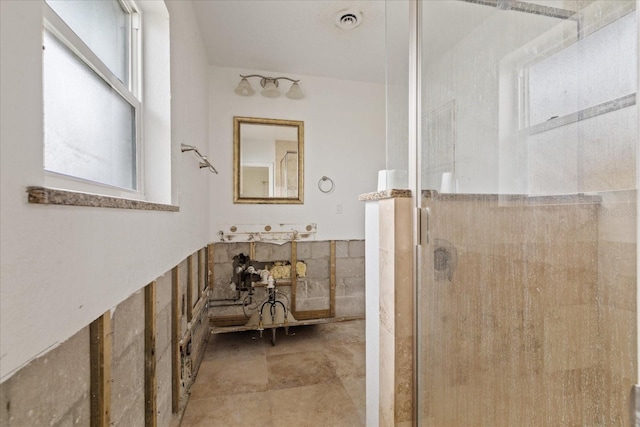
point(313, 378)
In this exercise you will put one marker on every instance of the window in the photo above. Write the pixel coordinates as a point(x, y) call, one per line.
point(597, 70)
point(92, 108)
point(579, 113)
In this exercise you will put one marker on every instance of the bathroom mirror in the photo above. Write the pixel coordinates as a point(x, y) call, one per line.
point(268, 161)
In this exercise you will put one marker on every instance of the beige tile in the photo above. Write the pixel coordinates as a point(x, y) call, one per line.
point(619, 331)
point(348, 360)
point(237, 345)
point(320, 405)
point(387, 224)
point(232, 388)
point(387, 377)
point(403, 225)
point(356, 389)
point(299, 369)
point(403, 294)
point(616, 405)
point(251, 409)
point(351, 332)
point(229, 376)
point(300, 339)
point(574, 392)
point(570, 338)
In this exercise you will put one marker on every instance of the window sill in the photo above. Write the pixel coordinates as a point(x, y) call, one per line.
point(52, 196)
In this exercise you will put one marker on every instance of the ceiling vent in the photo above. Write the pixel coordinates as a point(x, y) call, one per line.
point(348, 19)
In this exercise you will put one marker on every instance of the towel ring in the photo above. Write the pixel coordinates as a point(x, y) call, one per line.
point(323, 187)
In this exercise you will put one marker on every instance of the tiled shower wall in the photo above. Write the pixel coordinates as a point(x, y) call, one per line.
point(313, 290)
point(55, 388)
point(531, 320)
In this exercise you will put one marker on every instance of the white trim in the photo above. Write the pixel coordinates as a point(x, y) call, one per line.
point(131, 94)
point(56, 26)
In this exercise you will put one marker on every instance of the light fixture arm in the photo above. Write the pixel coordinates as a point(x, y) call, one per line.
point(270, 86)
point(264, 79)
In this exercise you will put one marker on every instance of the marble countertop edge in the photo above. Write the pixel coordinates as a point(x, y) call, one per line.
point(54, 196)
point(385, 194)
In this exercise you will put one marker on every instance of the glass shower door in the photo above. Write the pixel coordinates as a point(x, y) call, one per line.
point(527, 281)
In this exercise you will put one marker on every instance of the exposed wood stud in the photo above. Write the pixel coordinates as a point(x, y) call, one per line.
point(198, 311)
point(175, 340)
point(312, 314)
point(332, 291)
point(252, 250)
point(294, 277)
point(100, 358)
point(209, 278)
point(190, 280)
point(201, 257)
point(235, 320)
point(150, 380)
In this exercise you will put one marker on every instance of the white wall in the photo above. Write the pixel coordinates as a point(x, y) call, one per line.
point(474, 86)
point(62, 266)
point(344, 125)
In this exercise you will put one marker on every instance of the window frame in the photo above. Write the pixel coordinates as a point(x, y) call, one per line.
point(131, 93)
point(523, 83)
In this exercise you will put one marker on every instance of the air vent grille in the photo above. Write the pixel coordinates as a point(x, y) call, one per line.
point(348, 19)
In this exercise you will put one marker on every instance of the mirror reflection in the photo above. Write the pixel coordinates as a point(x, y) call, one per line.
point(268, 160)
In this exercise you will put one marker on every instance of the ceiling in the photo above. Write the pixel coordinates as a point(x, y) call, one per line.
point(301, 37)
point(295, 37)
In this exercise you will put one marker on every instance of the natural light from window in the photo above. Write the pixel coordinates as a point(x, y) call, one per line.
point(91, 111)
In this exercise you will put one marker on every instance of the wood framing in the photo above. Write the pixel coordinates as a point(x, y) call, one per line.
point(100, 358)
point(198, 312)
point(252, 250)
point(175, 340)
point(150, 381)
point(332, 290)
point(234, 320)
point(294, 277)
point(209, 277)
point(190, 288)
point(201, 266)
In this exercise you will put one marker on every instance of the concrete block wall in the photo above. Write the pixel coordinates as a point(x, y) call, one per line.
point(55, 389)
point(127, 362)
point(163, 349)
point(350, 290)
point(312, 291)
point(221, 289)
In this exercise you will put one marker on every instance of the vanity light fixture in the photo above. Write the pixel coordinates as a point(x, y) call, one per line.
point(270, 87)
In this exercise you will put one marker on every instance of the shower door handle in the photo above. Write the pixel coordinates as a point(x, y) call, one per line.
point(423, 216)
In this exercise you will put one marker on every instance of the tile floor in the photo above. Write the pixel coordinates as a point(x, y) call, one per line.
point(313, 378)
